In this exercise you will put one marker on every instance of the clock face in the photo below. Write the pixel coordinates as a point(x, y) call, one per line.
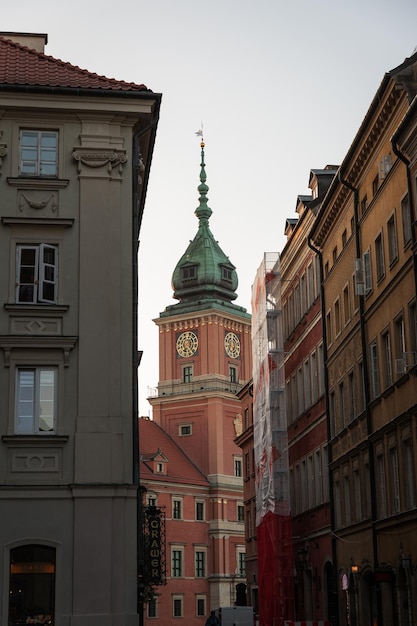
point(187, 344)
point(232, 345)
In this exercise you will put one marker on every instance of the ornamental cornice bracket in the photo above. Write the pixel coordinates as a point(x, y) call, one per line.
point(3, 153)
point(109, 159)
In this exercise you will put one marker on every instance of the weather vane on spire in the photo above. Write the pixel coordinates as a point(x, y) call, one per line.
point(200, 133)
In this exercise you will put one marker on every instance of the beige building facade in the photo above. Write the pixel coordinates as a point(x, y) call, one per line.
point(73, 145)
point(365, 233)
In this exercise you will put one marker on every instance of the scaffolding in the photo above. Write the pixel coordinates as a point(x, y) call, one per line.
point(273, 521)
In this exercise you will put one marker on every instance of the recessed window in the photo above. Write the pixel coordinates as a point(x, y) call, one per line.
point(38, 153)
point(187, 373)
point(176, 562)
point(185, 430)
point(201, 606)
point(36, 389)
point(238, 466)
point(199, 510)
point(240, 513)
point(227, 273)
point(176, 508)
point(232, 374)
point(177, 610)
point(200, 564)
point(379, 255)
point(392, 240)
point(406, 219)
point(241, 563)
point(189, 272)
point(152, 608)
point(31, 585)
point(160, 468)
point(36, 273)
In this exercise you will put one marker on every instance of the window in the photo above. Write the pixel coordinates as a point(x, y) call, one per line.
point(185, 430)
point(227, 273)
point(160, 468)
point(232, 374)
point(406, 219)
point(374, 369)
point(187, 373)
point(386, 359)
point(200, 606)
point(351, 398)
point(307, 384)
point(199, 511)
point(337, 317)
point(344, 238)
point(381, 488)
point(238, 466)
point(200, 564)
point(412, 320)
point(177, 610)
point(409, 473)
point(38, 153)
point(367, 272)
point(400, 345)
point(36, 273)
point(151, 608)
point(329, 327)
point(247, 465)
point(246, 418)
point(241, 563)
point(379, 254)
point(35, 400)
point(395, 482)
point(176, 508)
point(176, 562)
point(364, 204)
point(31, 584)
point(346, 305)
point(240, 513)
point(314, 378)
point(357, 493)
point(334, 255)
point(189, 272)
point(392, 240)
point(375, 184)
point(342, 406)
point(310, 285)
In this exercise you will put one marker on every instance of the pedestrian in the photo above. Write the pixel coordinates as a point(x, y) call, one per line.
point(212, 620)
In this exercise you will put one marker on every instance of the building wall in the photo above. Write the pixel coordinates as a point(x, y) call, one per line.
point(72, 488)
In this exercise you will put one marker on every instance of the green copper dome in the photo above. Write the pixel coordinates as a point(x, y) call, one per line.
point(204, 276)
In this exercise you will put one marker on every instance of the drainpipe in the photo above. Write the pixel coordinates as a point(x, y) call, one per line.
point(335, 602)
point(364, 345)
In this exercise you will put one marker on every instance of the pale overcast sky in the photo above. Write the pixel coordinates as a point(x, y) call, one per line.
point(281, 87)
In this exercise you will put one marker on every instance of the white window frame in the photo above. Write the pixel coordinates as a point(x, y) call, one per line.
point(200, 572)
point(367, 271)
point(33, 400)
point(237, 463)
point(32, 158)
point(180, 551)
point(183, 430)
point(44, 274)
point(241, 561)
point(178, 598)
point(176, 500)
point(203, 599)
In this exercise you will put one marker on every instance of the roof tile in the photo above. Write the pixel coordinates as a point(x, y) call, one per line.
point(20, 65)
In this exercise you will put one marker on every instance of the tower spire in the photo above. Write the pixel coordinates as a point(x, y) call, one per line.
point(203, 211)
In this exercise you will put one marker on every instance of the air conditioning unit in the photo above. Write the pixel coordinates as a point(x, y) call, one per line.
point(359, 278)
point(384, 166)
point(407, 361)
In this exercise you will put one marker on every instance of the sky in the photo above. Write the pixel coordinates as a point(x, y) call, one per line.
point(281, 87)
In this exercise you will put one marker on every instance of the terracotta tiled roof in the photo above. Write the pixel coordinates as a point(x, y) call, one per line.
point(20, 65)
point(179, 467)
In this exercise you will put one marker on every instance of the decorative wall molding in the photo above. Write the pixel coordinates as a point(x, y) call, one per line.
point(110, 159)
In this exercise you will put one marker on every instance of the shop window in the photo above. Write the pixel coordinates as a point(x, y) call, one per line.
point(31, 585)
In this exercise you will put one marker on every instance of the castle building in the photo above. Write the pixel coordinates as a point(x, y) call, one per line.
point(205, 358)
point(75, 155)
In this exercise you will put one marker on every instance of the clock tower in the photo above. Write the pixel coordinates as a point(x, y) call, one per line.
point(205, 358)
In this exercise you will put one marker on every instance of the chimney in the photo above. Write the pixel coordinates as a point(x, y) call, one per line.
point(34, 41)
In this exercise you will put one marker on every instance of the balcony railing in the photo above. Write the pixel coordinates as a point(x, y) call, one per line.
point(175, 388)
